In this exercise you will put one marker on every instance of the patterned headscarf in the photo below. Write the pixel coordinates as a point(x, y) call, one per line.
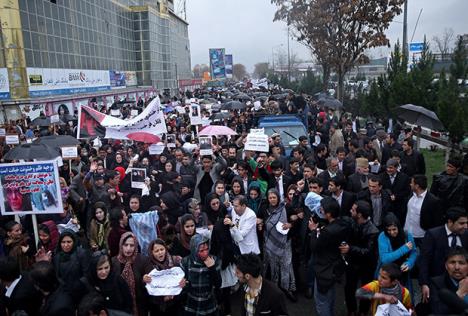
point(127, 271)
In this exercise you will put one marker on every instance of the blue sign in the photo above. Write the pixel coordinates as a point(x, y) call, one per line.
point(416, 47)
point(217, 63)
point(117, 78)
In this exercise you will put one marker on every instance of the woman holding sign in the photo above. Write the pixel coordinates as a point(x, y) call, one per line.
point(161, 259)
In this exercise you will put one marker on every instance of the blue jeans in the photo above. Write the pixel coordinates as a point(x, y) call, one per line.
point(324, 302)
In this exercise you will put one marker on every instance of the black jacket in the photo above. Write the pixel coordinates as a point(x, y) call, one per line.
point(363, 247)
point(438, 306)
point(58, 303)
point(431, 212)
point(386, 201)
point(329, 265)
point(347, 201)
point(413, 164)
point(402, 191)
point(271, 301)
point(24, 292)
point(354, 182)
point(452, 190)
point(434, 250)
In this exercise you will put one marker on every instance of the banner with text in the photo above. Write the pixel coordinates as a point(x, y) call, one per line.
point(229, 63)
point(4, 84)
point(51, 81)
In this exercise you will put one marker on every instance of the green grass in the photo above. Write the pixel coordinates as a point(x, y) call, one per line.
point(434, 163)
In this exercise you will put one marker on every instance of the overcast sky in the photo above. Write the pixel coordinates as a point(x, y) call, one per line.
point(246, 28)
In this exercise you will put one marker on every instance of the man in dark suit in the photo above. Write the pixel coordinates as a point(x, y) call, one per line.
point(276, 180)
point(424, 211)
point(454, 282)
point(398, 184)
point(331, 171)
point(412, 160)
point(378, 198)
point(19, 293)
point(358, 181)
point(345, 199)
point(262, 297)
point(436, 245)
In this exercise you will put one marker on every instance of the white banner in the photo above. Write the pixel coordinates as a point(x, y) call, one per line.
point(257, 142)
point(165, 282)
point(70, 152)
point(151, 120)
point(195, 115)
point(52, 81)
point(12, 139)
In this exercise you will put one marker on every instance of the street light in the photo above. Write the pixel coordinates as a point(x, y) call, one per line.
point(273, 55)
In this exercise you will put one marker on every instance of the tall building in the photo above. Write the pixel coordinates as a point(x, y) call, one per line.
point(56, 52)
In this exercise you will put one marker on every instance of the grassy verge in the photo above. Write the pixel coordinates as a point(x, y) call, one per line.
point(434, 163)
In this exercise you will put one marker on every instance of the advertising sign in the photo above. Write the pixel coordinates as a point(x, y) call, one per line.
point(228, 60)
point(217, 63)
point(117, 79)
point(48, 81)
point(30, 188)
point(4, 84)
point(130, 78)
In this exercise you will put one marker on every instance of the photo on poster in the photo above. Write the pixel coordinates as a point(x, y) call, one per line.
point(138, 176)
point(30, 188)
point(171, 140)
point(206, 146)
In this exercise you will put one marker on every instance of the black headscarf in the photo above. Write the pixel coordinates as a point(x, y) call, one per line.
point(213, 215)
point(65, 256)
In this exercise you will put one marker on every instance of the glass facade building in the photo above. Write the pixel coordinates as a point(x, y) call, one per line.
point(141, 36)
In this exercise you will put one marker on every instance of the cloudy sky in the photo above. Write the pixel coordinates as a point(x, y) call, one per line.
point(246, 28)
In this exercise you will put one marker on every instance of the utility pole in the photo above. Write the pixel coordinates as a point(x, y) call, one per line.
point(405, 30)
point(289, 60)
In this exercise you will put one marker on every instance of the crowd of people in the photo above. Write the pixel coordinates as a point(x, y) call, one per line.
point(347, 207)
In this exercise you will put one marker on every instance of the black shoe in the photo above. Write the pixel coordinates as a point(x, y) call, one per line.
point(309, 293)
point(291, 296)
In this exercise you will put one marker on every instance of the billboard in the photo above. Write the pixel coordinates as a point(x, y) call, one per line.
point(117, 79)
point(217, 63)
point(49, 81)
point(4, 84)
point(228, 62)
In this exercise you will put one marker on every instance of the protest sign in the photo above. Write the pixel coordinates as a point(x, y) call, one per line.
point(54, 118)
point(12, 139)
point(205, 146)
point(70, 152)
point(171, 140)
point(156, 149)
point(165, 282)
point(195, 116)
point(115, 112)
point(138, 176)
point(257, 142)
point(257, 131)
point(2, 132)
point(30, 188)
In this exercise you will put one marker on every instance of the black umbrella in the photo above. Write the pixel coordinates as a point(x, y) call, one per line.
point(280, 96)
point(233, 105)
point(45, 121)
point(220, 116)
point(242, 96)
point(57, 141)
point(330, 102)
point(420, 116)
point(32, 151)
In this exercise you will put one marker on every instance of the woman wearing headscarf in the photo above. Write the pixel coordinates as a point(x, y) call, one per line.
point(71, 264)
point(171, 206)
point(99, 227)
point(181, 243)
point(255, 200)
point(132, 265)
point(48, 236)
point(277, 246)
point(161, 259)
point(223, 247)
point(18, 245)
point(202, 273)
point(397, 246)
point(237, 188)
point(214, 208)
point(113, 288)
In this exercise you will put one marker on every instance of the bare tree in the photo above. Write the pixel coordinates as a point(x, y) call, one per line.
point(339, 31)
point(444, 42)
point(261, 70)
point(239, 72)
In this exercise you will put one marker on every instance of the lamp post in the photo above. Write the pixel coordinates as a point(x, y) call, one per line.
point(273, 55)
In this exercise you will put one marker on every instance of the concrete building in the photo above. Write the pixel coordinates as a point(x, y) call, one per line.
point(56, 52)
